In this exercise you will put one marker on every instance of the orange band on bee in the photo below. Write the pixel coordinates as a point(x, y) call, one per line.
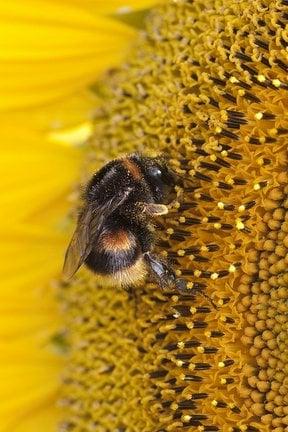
point(132, 168)
point(118, 240)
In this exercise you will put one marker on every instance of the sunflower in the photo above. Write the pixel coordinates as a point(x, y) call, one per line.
point(207, 85)
point(51, 56)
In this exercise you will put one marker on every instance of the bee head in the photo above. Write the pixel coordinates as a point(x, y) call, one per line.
point(159, 177)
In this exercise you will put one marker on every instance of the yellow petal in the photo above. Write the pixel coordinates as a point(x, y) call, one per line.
point(36, 177)
point(15, 323)
point(31, 255)
point(27, 391)
point(75, 135)
point(29, 258)
point(45, 418)
point(29, 370)
point(113, 6)
point(65, 113)
point(49, 50)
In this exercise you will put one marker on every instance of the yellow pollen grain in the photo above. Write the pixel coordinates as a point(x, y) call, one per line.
point(213, 157)
point(218, 129)
point(223, 115)
point(256, 186)
point(193, 310)
point(178, 272)
point(241, 208)
point(239, 224)
point(221, 364)
point(224, 153)
point(214, 276)
point(217, 225)
point(232, 268)
point(204, 220)
point(208, 334)
point(214, 403)
point(223, 381)
point(181, 252)
point(186, 418)
point(220, 205)
point(170, 231)
point(276, 83)
point(197, 273)
point(189, 285)
point(200, 349)
point(233, 80)
point(182, 219)
point(260, 161)
point(174, 406)
point(229, 180)
point(181, 345)
point(261, 78)
point(258, 115)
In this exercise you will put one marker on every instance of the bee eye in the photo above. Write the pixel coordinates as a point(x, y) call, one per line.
point(155, 172)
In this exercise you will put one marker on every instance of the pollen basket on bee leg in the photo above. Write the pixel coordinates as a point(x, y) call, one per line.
point(155, 209)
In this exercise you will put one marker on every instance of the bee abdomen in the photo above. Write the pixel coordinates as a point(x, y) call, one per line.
point(115, 251)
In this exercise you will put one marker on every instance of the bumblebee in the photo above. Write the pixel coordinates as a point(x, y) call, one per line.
point(114, 235)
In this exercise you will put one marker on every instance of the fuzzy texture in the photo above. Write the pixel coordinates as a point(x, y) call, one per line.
point(207, 85)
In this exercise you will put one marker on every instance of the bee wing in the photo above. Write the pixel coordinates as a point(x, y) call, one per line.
point(87, 232)
point(81, 242)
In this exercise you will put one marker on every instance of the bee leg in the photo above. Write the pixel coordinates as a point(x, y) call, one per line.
point(166, 277)
point(163, 273)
